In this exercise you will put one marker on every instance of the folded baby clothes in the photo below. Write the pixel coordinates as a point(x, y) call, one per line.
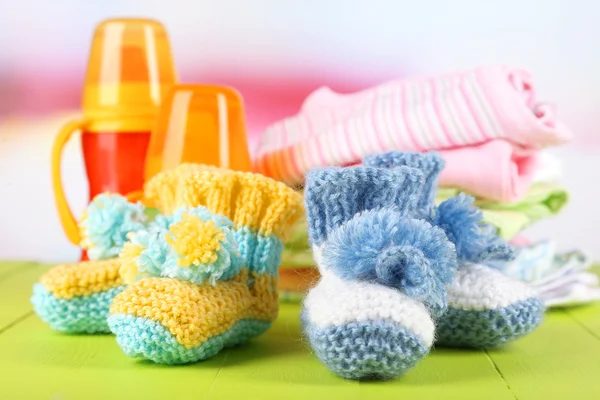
point(580, 289)
point(418, 114)
point(549, 169)
point(296, 250)
point(560, 279)
point(496, 170)
point(539, 262)
point(541, 201)
point(207, 278)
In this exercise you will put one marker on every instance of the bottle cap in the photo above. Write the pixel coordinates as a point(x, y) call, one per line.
point(202, 124)
point(129, 71)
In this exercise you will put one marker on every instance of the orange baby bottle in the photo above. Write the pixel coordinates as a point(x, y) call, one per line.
point(130, 70)
point(199, 124)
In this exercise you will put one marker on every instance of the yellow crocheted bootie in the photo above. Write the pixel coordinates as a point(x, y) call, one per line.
point(207, 279)
point(76, 297)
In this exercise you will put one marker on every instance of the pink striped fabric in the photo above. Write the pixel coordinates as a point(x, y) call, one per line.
point(420, 114)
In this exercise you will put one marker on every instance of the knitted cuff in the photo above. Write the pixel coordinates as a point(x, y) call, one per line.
point(261, 254)
point(248, 200)
point(431, 164)
point(224, 220)
point(333, 195)
point(169, 252)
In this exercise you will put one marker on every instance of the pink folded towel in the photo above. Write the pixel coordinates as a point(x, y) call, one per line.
point(494, 170)
point(420, 114)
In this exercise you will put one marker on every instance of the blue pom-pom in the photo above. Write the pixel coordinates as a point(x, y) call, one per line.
point(405, 268)
point(385, 247)
point(463, 223)
point(109, 219)
point(156, 249)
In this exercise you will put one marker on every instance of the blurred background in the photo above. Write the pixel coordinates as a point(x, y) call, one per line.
point(275, 53)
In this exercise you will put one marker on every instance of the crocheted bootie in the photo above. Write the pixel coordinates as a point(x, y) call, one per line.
point(485, 308)
point(208, 278)
point(383, 272)
point(76, 297)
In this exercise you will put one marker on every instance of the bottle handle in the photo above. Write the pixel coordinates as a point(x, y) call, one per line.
point(64, 212)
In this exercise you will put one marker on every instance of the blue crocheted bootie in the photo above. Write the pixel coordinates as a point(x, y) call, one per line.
point(485, 308)
point(384, 273)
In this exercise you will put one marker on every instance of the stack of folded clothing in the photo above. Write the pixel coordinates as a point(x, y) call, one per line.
point(560, 279)
point(486, 124)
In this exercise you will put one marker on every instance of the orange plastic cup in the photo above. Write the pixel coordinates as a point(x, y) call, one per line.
point(199, 124)
point(130, 69)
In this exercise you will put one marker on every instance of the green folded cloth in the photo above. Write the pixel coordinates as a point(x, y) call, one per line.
point(542, 201)
point(296, 250)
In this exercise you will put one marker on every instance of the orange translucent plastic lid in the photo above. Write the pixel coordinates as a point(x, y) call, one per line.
point(129, 70)
point(199, 124)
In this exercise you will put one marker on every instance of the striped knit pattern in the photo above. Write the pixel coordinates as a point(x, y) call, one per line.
point(384, 271)
point(208, 280)
point(430, 164)
point(336, 195)
point(487, 309)
point(419, 114)
point(75, 298)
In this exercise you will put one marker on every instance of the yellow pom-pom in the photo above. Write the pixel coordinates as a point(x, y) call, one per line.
point(196, 241)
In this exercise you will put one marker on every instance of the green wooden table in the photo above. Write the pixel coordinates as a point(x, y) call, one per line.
point(561, 360)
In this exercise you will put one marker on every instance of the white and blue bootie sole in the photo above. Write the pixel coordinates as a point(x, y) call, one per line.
point(361, 330)
point(487, 309)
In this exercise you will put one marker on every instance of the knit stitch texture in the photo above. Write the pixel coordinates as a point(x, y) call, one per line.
point(384, 271)
point(430, 164)
point(366, 350)
point(487, 309)
point(80, 314)
point(207, 278)
point(75, 298)
point(488, 329)
point(333, 196)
